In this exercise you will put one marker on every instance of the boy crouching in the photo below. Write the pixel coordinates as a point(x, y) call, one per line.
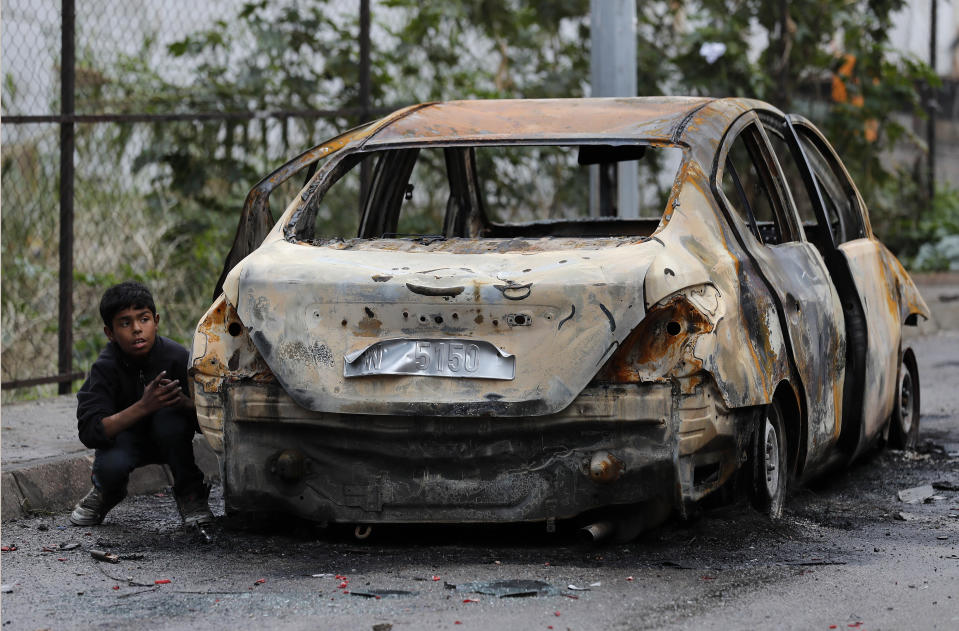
point(134, 409)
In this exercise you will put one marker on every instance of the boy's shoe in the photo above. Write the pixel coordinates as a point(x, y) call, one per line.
point(194, 506)
point(91, 510)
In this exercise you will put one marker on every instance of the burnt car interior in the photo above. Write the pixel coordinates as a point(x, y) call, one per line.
point(483, 191)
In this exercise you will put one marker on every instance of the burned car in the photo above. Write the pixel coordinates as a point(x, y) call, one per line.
point(544, 309)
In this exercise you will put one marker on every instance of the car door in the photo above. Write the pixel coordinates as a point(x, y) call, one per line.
point(809, 309)
point(873, 287)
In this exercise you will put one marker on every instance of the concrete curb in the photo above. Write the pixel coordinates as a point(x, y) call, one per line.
point(58, 483)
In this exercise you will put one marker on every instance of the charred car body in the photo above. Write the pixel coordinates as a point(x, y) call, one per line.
point(485, 350)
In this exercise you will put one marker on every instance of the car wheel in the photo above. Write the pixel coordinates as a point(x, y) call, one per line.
point(770, 470)
point(904, 425)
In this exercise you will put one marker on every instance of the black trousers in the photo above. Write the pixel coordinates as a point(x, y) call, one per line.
point(165, 437)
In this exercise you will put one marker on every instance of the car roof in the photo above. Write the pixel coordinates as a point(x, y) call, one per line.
point(657, 119)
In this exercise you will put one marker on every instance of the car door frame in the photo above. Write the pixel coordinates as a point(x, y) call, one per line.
point(810, 314)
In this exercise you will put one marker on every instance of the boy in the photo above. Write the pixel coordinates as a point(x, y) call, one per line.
point(134, 409)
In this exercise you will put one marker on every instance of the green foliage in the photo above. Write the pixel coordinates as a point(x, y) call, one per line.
point(927, 241)
point(484, 49)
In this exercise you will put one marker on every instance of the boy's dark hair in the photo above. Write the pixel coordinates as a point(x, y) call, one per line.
point(124, 296)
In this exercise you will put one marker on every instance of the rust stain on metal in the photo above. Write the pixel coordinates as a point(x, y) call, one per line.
point(605, 468)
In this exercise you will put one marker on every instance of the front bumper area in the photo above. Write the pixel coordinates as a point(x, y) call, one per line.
point(614, 445)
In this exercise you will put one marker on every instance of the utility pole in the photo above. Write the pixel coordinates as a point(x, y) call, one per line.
point(932, 105)
point(613, 73)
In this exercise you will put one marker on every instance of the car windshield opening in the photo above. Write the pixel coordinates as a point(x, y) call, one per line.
point(429, 193)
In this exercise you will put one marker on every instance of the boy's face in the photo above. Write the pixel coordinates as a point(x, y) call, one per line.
point(134, 330)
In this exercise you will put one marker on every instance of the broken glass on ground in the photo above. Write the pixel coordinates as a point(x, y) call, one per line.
point(916, 494)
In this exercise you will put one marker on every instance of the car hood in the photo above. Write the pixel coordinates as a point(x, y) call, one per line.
point(558, 307)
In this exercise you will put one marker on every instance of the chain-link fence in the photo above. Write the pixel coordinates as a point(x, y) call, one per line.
point(158, 172)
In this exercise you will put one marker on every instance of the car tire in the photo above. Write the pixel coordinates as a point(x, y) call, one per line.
point(904, 424)
point(770, 471)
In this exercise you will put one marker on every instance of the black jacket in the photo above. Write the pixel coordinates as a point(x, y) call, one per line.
point(116, 382)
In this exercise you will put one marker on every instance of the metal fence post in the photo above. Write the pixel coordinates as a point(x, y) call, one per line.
point(67, 76)
point(364, 89)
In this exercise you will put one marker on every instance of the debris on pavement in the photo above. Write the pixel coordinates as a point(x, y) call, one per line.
point(816, 562)
point(916, 494)
point(945, 485)
point(204, 532)
point(929, 447)
point(69, 546)
point(162, 581)
point(904, 516)
point(383, 593)
point(512, 588)
point(6, 589)
point(134, 556)
point(382, 626)
point(100, 555)
point(10, 548)
point(679, 566)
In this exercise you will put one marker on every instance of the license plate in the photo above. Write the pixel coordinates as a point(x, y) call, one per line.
point(473, 359)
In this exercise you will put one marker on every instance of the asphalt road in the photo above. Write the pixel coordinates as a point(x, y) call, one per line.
point(847, 554)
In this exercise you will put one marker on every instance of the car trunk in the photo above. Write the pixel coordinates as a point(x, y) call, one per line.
point(512, 327)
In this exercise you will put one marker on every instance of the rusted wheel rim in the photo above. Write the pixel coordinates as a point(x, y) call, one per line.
point(772, 459)
point(905, 402)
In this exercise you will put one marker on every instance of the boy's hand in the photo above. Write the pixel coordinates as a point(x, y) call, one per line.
point(160, 393)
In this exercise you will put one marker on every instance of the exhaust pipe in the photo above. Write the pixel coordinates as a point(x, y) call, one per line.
point(362, 531)
point(594, 533)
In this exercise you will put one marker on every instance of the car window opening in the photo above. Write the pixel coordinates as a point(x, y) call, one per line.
point(741, 193)
point(745, 184)
point(429, 194)
point(842, 205)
